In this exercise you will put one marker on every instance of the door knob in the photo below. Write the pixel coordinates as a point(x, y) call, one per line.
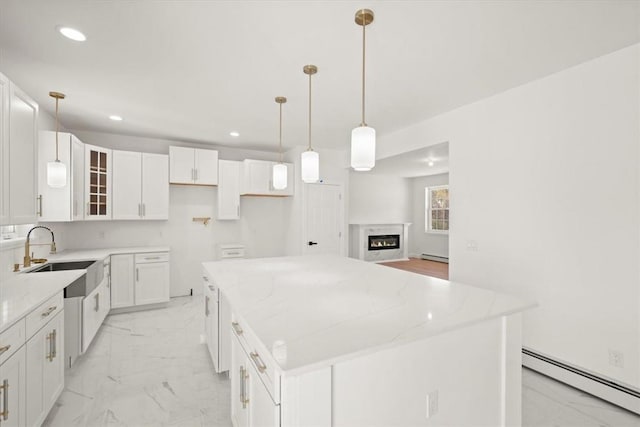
point(312, 243)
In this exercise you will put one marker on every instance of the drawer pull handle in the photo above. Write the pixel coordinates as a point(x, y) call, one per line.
point(4, 389)
point(237, 328)
point(49, 311)
point(258, 361)
point(97, 306)
point(4, 349)
point(206, 306)
point(212, 288)
point(152, 257)
point(205, 278)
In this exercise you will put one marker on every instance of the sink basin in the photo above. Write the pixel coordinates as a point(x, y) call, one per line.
point(61, 266)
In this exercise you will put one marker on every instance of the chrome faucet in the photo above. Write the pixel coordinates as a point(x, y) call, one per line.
point(27, 245)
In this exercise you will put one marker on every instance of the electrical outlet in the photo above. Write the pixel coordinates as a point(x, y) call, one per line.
point(432, 403)
point(616, 358)
point(472, 245)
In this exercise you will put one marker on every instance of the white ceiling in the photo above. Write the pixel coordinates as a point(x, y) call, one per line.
point(194, 71)
point(415, 163)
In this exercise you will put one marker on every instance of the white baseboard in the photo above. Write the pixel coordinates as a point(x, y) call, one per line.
point(618, 394)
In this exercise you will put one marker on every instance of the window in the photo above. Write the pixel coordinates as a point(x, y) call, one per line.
point(437, 209)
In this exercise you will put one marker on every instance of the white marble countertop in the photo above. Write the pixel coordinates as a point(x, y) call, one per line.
point(25, 292)
point(22, 293)
point(313, 311)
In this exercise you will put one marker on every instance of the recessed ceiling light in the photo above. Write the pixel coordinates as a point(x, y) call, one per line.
point(234, 134)
point(430, 163)
point(72, 33)
point(116, 118)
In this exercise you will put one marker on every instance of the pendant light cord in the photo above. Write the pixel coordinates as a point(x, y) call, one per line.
point(310, 149)
point(57, 127)
point(363, 65)
point(280, 132)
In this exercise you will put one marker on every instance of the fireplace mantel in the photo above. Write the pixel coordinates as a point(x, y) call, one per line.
point(359, 242)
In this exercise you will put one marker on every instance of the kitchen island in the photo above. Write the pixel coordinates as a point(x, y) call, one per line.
point(327, 340)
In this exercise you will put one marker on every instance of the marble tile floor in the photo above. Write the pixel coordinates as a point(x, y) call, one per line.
point(150, 368)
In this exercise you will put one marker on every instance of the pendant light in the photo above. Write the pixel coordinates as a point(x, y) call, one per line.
point(363, 138)
point(279, 178)
point(56, 170)
point(310, 159)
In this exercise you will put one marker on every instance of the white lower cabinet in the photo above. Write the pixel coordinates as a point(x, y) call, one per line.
point(12, 390)
point(139, 279)
point(95, 308)
point(251, 402)
point(44, 370)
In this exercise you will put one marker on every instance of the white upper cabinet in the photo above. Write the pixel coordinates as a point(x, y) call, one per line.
point(258, 179)
point(229, 189)
point(140, 185)
point(4, 150)
point(97, 182)
point(66, 203)
point(127, 184)
point(18, 140)
point(193, 166)
point(155, 186)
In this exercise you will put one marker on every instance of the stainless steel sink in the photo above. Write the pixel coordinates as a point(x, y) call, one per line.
point(82, 286)
point(62, 266)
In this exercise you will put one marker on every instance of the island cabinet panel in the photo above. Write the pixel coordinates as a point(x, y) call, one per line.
point(238, 377)
point(455, 378)
point(306, 399)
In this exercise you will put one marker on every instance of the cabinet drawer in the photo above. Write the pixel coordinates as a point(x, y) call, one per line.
point(44, 313)
point(152, 257)
point(11, 340)
point(260, 358)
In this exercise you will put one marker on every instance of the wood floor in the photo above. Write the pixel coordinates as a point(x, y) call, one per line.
point(422, 266)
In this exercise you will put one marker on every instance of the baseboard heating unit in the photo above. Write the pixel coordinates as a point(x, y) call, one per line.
point(606, 389)
point(437, 258)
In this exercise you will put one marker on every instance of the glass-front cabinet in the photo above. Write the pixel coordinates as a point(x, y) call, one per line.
point(97, 182)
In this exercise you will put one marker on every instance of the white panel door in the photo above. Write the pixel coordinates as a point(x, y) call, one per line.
point(23, 139)
point(77, 179)
point(323, 219)
point(155, 186)
point(229, 190)
point(152, 283)
point(206, 167)
point(127, 185)
point(122, 276)
point(181, 165)
point(13, 375)
point(4, 150)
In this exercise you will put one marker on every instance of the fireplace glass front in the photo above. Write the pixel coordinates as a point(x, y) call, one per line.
point(385, 241)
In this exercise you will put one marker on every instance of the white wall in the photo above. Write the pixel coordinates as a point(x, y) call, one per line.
point(261, 227)
point(544, 178)
point(379, 199)
point(422, 242)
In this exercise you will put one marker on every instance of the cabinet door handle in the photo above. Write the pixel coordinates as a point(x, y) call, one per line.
point(144, 210)
point(75, 207)
point(243, 387)
point(206, 306)
point(139, 209)
point(236, 327)
point(4, 389)
point(193, 174)
point(196, 173)
point(137, 275)
point(48, 311)
point(55, 344)
point(40, 205)
point(258, 361)
point(4, 349)
point(97, 306)
point(88, 209)
point(238, 210)
point(49, 355)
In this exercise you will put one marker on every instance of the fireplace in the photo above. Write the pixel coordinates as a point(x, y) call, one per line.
point(384, 241)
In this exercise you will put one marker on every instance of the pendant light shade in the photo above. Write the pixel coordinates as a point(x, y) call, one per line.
point(56, 174)
point(310, 166)
point(363, 138)
point(56, 170)
point(363, 148)
point(279, 176)
point(310, 160)
point(279, 172)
